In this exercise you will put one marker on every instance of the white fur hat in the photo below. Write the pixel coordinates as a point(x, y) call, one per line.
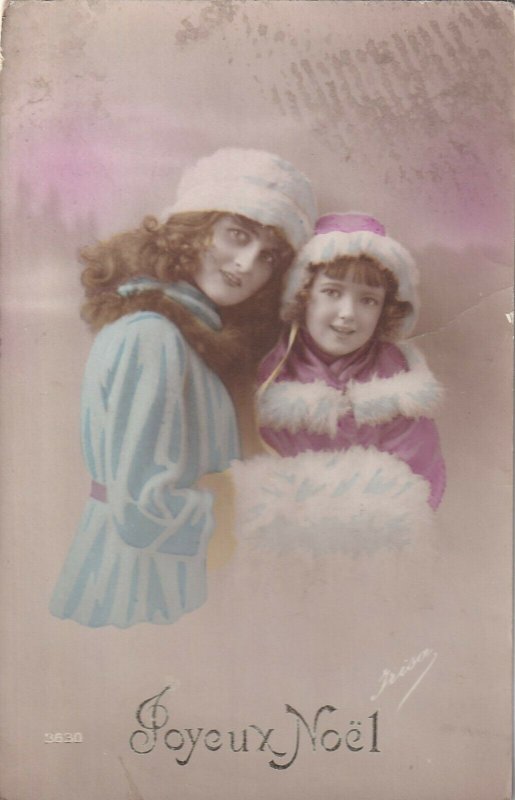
point(253, 183)
point(356, 234)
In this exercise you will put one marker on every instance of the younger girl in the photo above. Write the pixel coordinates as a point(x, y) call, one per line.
point(175, 304)
point(336, 384)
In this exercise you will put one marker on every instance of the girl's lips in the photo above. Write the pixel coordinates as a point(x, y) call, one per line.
point(230, 278)
point(345, 331)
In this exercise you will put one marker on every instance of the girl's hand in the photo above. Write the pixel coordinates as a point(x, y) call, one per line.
point(222, 542)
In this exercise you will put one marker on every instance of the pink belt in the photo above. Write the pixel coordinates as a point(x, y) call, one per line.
point(98, 492)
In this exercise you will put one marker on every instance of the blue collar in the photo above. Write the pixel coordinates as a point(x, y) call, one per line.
point(183, 292)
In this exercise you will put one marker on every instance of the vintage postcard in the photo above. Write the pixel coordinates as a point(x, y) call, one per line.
point(256, 399)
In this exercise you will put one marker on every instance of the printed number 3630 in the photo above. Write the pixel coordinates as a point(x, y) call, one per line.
point(52, 738)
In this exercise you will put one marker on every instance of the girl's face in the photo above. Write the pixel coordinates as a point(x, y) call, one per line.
point(341, 315)
point(238, 262)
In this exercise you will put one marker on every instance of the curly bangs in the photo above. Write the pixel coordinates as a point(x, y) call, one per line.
point(360, 269)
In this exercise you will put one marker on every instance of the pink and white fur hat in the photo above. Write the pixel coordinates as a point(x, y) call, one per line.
point(356, 234)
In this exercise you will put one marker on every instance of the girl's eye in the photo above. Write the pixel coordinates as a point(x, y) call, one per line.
point(331, 292)
point(370, 301)
point(238, 235)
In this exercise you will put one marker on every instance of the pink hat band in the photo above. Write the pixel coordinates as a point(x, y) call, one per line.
point(348, 223)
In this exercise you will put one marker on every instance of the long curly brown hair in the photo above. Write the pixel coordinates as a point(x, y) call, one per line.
point(170, 252)
point(364, 269)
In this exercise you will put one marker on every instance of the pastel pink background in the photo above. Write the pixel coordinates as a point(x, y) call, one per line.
point(398, 109)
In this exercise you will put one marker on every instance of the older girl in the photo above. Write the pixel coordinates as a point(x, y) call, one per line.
point(176, 305)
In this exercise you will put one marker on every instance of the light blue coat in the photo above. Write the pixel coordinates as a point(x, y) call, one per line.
point(154, 419)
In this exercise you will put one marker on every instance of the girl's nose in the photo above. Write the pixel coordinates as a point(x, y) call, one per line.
point(346, 306)
point(246, 256)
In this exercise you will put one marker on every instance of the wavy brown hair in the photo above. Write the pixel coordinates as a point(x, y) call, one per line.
point(363, 269)
point(170, 252)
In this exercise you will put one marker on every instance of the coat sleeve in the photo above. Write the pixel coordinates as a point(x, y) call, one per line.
point(149, 457)
point(417, 443)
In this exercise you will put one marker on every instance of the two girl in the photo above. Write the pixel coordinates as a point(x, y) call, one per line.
point(175, 304)
point(181, 303)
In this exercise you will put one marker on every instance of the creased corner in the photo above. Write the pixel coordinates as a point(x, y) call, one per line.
point(3, 10)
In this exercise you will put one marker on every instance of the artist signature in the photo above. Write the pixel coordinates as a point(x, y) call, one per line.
point(388, 678)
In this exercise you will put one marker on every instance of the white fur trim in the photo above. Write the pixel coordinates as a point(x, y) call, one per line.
point(412, 394)
point(295, 406)
point(317, 407)
point(358, 501)
point(325, 247)
point(253, 183)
